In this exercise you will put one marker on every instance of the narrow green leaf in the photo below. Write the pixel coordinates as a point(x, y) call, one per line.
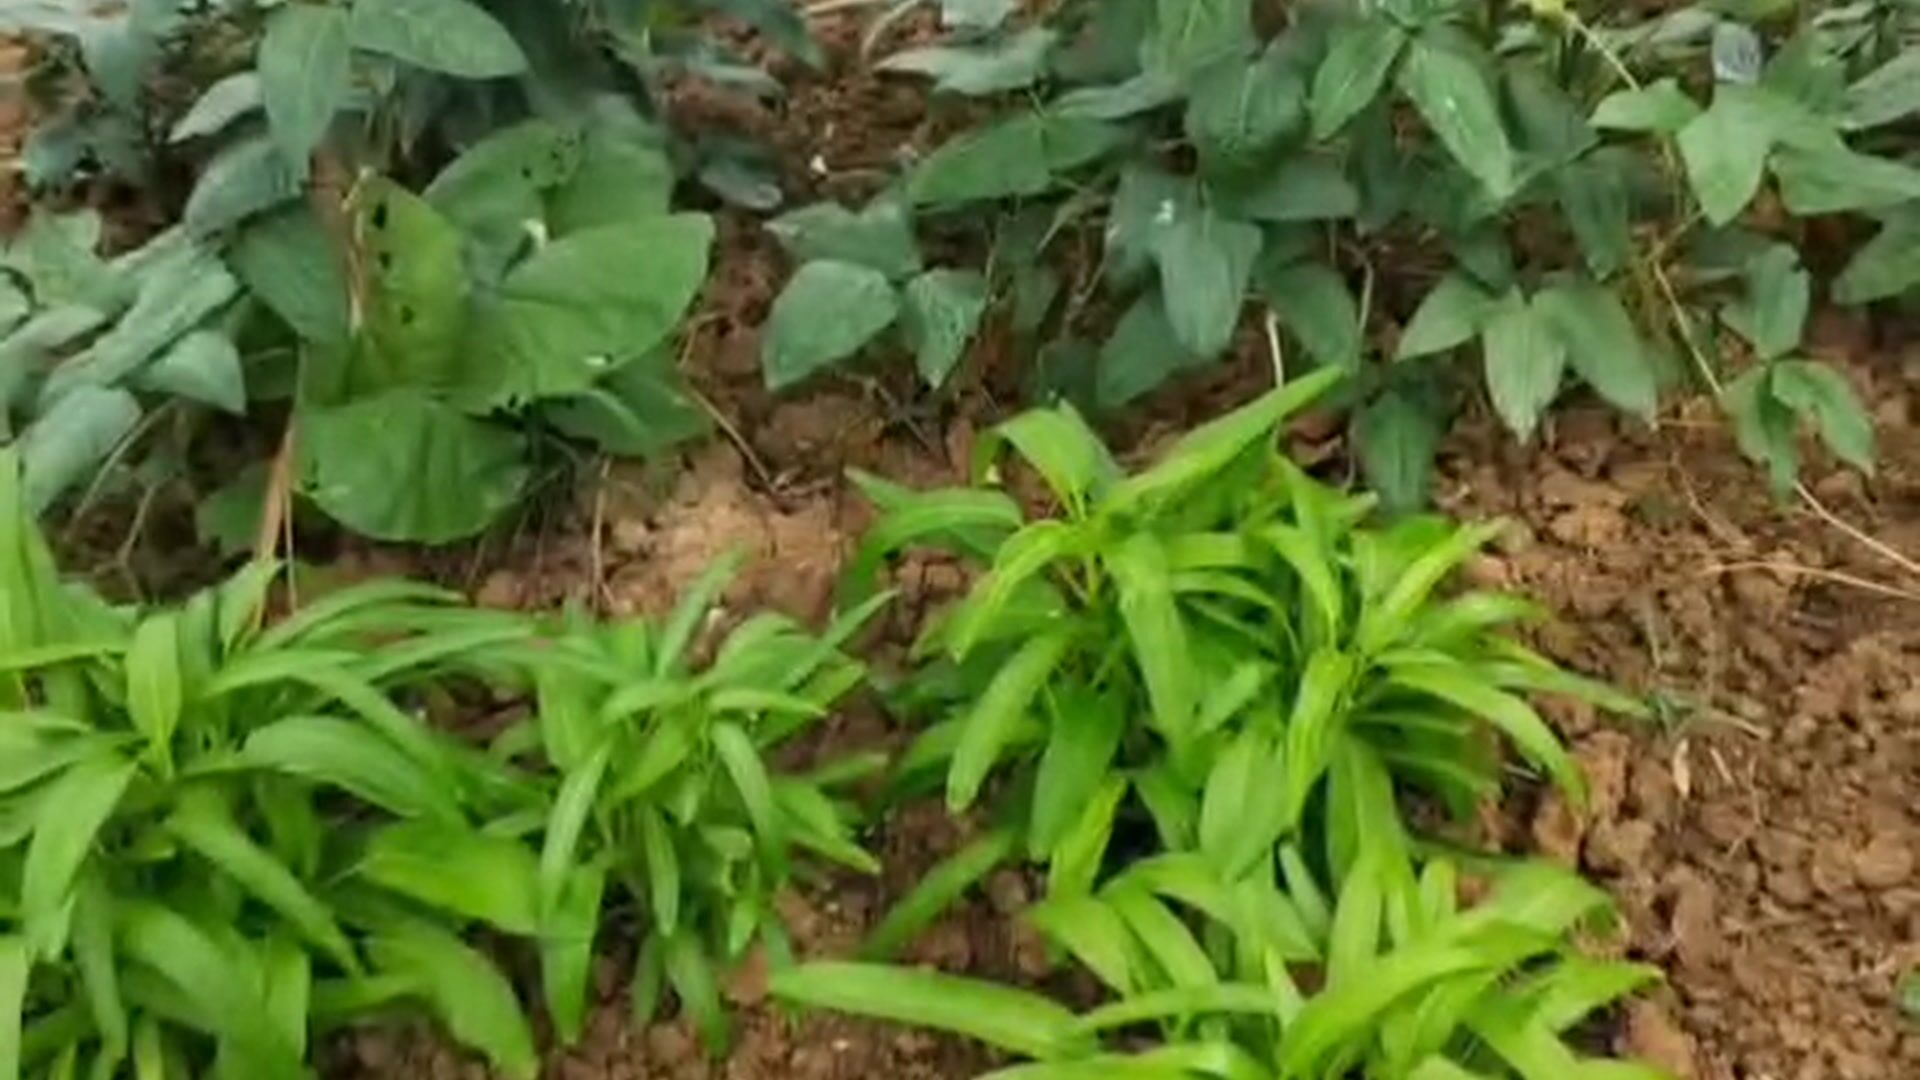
point(205, 825)
point(1009, 1019)
point(153, 682)
point(15, 964)
point(567, 935)
point(76, 807)
point(566, 822)
point(749, 775)
point(353, 758)
point(987, 727)
point(693, 982)
point(1512, 716)
point(1818, 391)
point(941, 310)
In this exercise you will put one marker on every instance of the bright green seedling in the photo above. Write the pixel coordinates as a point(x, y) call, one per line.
point(183, 793)
point(1266, 978)
point(658, 796)
point(91, 348)
point(1182, 656)
point(1435, 196)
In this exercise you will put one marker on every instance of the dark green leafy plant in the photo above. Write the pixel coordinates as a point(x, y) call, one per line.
point(659, 800)
point(91, 347)
point(1397, 181)
point(1192, 651)
point(183, 797)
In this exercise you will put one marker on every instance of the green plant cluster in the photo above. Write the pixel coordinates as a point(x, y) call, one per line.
point(1581, 194)
point(1198, 698)
point(431, 327)
point(221, 839)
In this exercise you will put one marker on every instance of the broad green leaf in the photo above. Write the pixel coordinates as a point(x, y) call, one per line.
point(66, 827)
point(288, 262)
point(1725, 150)
point(243, 179)
point(454, 868)
point(1313, 301)
point(403, 466)
point(1453, 313)
point(1239, 109)
point(941, 310)
point(1142, 354)
point(1190, 34)
point(465, 991)
point(498, 180)
point(1765, 428)
point(1525, 359)
point(1205, 261)
point(1359, 59)
point(1601, 343)
point(1888, 93)
point(1594, 193)
point(1821, 393)
point(1886, 266)
point(1142, 93)
point(305, 64)
point(220, 105)
point(976, 14)
point(587, 303)
point(1659, 107)
point(1159, 637)
point(205, 825)
point(1018, 156)
point(452, 37)
point(828, 312)
point(203, 366)
point(622, 175)
point(936, 891)
point(70, 441)
point(417, 289)
point(1302, 187)
point(644, 409)
point(928, 517)
point(1453, 95)
point(1012, 62)
point(1397, 439)
point(1012, 1020)
point(879, 237)
point(989, 724)
point(1550, 130)
point(1832, 180)
point(1773, 314)
point(352, 757)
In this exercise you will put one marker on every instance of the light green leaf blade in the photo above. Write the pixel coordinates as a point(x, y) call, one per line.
point(1659, 106)
point(353, 758)
point(1011, 62)
point(1820, 392)
point(1888, 93)
point(288, 262)
point(465, 990)
point(69, 819)
point(1009, 1019)
point(988, 725)
point(454, 868)
point(15, 964)
point(1159, 636)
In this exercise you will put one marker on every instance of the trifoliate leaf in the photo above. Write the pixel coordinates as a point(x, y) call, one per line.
point(941, 313)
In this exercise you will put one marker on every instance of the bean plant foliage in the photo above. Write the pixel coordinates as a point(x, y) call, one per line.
point(1195, 698)
point(1572, 195)
point(450, 225)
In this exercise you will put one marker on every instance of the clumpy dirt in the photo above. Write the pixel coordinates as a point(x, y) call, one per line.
point(1761, 836)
